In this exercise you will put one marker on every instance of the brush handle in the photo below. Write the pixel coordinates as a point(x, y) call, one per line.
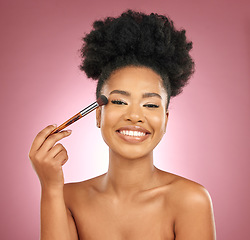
point(76, 117)
point(67, 123)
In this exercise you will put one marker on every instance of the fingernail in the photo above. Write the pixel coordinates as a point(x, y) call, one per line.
point(69, 131)
point(54, 125)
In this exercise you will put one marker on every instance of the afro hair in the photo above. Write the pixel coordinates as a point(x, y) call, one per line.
point(135, 38)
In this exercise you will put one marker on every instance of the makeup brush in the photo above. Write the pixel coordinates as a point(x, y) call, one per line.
point(102, 100)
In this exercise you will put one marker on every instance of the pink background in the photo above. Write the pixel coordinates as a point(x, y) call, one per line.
point(207, 136)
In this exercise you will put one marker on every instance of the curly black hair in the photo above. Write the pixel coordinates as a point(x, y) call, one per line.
point(137, 39)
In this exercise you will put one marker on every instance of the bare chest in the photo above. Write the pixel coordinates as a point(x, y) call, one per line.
point(104, 219)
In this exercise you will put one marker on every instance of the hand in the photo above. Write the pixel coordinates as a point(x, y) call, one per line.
point(48, 158)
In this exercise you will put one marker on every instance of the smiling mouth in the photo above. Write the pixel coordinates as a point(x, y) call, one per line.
point(132, 133)
point(132, 136)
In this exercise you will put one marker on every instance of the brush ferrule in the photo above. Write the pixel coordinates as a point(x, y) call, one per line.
point(90, 108)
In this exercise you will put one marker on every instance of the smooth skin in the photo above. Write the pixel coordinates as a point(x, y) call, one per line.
point(134, 199)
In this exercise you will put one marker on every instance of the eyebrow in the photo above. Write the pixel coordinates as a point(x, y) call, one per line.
point(145, 95)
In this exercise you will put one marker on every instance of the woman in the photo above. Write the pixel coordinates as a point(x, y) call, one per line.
point(140, 61)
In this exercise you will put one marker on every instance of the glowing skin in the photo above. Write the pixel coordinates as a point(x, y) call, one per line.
point(133, 199)
point(135, 119)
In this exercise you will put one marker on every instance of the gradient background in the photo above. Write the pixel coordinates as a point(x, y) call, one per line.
point(207, 137)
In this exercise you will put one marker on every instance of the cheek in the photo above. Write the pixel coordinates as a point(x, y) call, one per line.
point(109, 120)
point(109, 117)
point(158, 122)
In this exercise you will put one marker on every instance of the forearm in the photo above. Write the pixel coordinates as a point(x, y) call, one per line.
point(54, 221)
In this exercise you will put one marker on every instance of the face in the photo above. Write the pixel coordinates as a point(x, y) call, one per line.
point(135, 118)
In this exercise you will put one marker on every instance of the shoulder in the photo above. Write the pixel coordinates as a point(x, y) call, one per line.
point(193, 210)
point(185, 191)
point(190, 192)
point(80, 191)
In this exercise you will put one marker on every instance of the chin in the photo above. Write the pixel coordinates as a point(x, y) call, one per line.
point(133, 152)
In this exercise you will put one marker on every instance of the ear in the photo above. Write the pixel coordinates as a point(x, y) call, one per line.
point(166, 121)
point(98, 117)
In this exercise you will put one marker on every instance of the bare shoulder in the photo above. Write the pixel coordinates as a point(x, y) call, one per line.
point(192, 196)
point(79, 191)
point(184, 190)
point(193, 210)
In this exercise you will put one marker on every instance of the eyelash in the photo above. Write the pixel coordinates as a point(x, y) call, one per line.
point(151, 105)
point(119, 102)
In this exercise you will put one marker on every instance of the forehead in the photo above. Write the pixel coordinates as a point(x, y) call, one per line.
point(135, 79)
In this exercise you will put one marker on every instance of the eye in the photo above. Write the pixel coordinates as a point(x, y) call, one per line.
point(151, 105)
point(118, 102)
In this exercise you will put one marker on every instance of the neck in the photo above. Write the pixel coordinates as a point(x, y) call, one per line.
point(126, 177)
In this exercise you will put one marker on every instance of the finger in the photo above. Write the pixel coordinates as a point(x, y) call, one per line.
point(52, 139)
point(55, 150)
point(40, 138)
point(61, 157)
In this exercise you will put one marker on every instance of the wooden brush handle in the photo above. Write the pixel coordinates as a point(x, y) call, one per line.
point(67, 123)
point(102, 100)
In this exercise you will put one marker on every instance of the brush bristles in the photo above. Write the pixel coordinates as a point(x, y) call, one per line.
point(102, 100)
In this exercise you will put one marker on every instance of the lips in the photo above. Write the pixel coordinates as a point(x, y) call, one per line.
point(133, 134)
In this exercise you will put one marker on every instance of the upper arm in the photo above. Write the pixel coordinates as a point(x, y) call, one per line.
point(71, 220)
point(72, 226)
point(195, 219)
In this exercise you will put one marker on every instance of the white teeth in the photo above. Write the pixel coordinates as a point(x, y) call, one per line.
point(132, 133)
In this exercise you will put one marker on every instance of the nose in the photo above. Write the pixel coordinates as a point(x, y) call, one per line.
point(134, 113)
